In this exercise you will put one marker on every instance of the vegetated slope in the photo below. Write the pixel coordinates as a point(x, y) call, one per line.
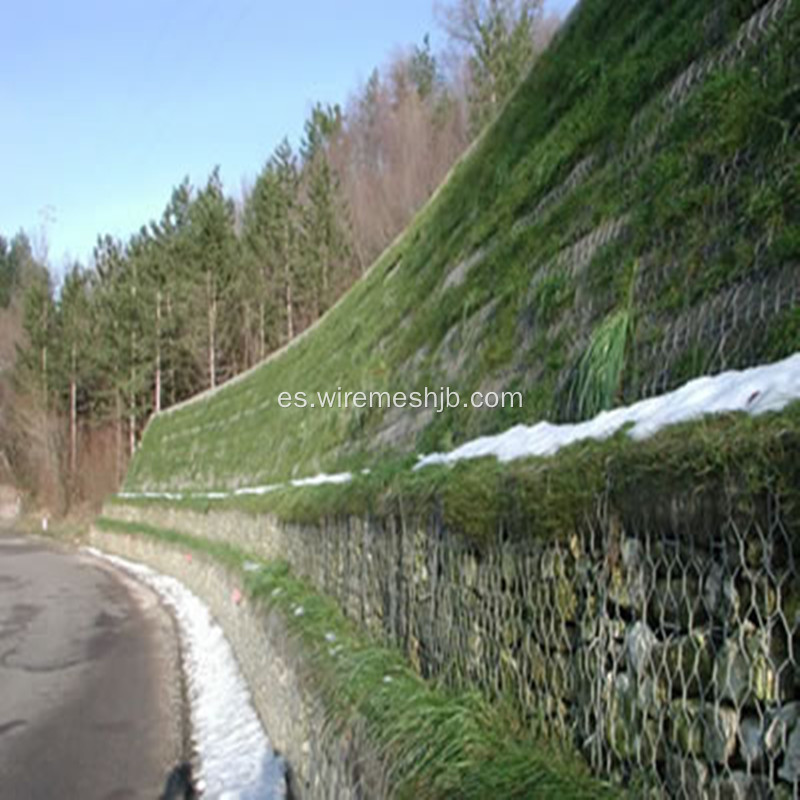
point(630, 221)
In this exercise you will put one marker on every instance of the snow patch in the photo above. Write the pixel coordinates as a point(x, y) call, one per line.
point(753, 391)
point(322, 478)
point(236, 759)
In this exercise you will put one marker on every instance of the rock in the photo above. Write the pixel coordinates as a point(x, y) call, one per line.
point(751, 742)
point(720, 725)
point(651, 695)
point(790, 771)
point(790, 606)
point(564, 599)
point(552, 564)
point(746, 668)
point(677, 604)
point(628, 584)
point(469, 570)
point(759, 552)
point(701, 730)
point(560, 678)
point(686, 777)
point(758, 599)
point(720, 595)
point(686, 726)
point(780, 725)
point(639, 643)
point(740, 786)
point(684, 663)
point(619, 722)
point(537, 660)
point(508, 567)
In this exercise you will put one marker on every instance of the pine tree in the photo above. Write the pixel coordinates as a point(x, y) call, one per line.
point(75, 344)
point(39, 322)
point(214, 250)
point(499, 37)
point(272, 232)
point(325, 243)
point(174, 247)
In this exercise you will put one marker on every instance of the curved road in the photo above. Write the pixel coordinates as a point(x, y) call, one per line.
point(90, 699)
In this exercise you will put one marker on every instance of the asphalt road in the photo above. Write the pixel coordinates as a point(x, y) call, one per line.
point(90, 699)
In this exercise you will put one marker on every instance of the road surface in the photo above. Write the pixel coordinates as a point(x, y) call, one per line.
point(90, 698)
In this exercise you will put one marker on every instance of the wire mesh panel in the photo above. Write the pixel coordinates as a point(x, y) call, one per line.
point(660, 636)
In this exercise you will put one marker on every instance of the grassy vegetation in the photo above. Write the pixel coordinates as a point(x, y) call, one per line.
point(437, 743)
point(712, 201)
point(546, 498)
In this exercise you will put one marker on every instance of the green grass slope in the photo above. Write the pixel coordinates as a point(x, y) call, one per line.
point(630, 221)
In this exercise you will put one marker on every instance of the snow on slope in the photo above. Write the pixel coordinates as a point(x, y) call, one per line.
point(754, 391)
point(236, 760)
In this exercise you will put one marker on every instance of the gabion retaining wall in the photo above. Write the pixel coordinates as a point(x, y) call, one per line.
point(660, 636)
point(323, 764)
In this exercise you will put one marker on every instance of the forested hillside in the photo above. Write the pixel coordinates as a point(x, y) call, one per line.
point(219, 280)
point(628, 222)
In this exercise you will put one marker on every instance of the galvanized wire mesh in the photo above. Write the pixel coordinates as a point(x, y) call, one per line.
point(684, 324)
point(663, 643)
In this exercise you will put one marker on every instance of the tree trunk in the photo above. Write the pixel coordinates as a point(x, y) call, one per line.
point(132, 419)
point(262, 333)
point(325, 267)
point(73, 416)
point(44, 377)
point(212, 334)
point(173, 396)
point(118, 403)
point(289, 321)
point(288, 277)
point(157, 403)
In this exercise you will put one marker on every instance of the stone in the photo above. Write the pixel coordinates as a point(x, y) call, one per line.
point(686, 727)
point(639, 643)
point(752, 746)
point(758, 552)
point(781, 722)
point(719, 594)
point(720, 726)
point(508, 567)
point(560, 677)
point(746, 668)
point(790, 770)
point(702, 730)
point(628, 582)
point(537, 660)
point(684, 663)
point(619, 727)
point(677, 604)
point(740, 786)
point(758, 599)
point(651, 695)
point(565, 599)
point(549, 564)
point(686, 777)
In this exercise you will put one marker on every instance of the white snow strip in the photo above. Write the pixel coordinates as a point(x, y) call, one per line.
point(259, 490)
point(316, 480)
point(319, 480)
point(236, 760)
point(753, 391)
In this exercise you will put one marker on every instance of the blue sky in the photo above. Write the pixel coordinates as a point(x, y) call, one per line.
point(107, 105)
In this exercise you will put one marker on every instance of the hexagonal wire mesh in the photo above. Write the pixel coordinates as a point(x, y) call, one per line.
point(665, 648)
